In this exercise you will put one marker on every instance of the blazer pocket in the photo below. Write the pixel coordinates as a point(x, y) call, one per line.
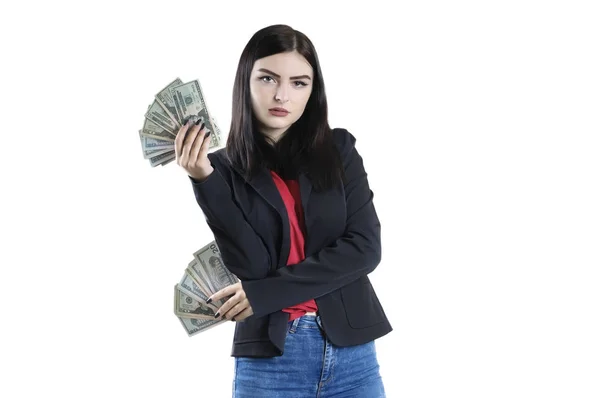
point(362, 307)
point(251, 330)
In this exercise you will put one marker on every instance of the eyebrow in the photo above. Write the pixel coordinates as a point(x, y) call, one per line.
point(277, 76)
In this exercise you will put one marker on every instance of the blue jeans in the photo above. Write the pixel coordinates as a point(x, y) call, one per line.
point(311, 367)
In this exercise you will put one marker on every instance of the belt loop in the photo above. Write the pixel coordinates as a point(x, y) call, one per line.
point(294, 325)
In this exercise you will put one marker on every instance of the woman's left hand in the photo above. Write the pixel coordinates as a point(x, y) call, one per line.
point(237, 307)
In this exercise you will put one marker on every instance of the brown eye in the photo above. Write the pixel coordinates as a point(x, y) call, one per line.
point(265, 77)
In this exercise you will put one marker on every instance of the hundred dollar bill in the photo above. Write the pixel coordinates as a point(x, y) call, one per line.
point(194, 326)
point(159, 116)
point(188, 307)
point(166, 101)
point(162, 159)
point(210, 264)
point(189, 103)
point(152, 130)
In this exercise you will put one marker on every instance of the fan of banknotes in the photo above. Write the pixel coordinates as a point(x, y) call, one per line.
point(205, 275)
point(174, 104)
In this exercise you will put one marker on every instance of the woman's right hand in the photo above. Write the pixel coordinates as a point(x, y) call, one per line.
point(191, 149)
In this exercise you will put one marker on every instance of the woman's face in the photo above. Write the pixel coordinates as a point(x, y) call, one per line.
point(280, 81)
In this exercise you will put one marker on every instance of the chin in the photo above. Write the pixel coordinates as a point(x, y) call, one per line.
point(277, 124)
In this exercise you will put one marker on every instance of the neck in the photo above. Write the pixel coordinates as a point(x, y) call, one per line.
point(274, 134)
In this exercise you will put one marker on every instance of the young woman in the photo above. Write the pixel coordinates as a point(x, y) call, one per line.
point(291, 210)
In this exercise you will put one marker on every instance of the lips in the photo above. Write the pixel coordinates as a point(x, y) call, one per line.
point(279, 112)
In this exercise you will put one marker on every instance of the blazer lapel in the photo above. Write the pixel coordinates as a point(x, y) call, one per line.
point(305, 190)
point(263, 183)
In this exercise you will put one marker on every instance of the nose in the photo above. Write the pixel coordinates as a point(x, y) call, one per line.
point(282, 94)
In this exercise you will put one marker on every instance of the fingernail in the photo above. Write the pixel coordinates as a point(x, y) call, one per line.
point(217, 315)
point(185, 122)
point(232, 319)
point(209, 301)
point(207, 134)
point(202, 126)
point(198, 121)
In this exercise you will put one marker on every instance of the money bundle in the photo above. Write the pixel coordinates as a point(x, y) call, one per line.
point(172, 106)
point(205, 275)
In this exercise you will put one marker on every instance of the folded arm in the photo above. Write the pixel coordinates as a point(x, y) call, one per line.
point(355, 254)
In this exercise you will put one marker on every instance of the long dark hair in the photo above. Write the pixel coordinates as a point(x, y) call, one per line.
point(308, 144)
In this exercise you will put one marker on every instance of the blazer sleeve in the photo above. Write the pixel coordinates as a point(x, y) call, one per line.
point(354, 254)
point(242, 250)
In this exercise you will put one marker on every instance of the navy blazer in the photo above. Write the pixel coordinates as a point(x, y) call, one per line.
point(342, 246)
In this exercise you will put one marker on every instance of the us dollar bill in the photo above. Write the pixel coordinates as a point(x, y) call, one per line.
point(194, 270)
point(194, 326)
point(158, 115)
point(172, 105)
point(152, 147)
point(162, 159)
point(155, 152)
point(189, 286)
point(153, 130)
point(190, 104)
point(210, 264)
point(166, 101)
point(217, 130)
point(205, 275)
point(188, 307)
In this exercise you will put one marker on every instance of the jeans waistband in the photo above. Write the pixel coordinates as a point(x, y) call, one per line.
point(307, 321)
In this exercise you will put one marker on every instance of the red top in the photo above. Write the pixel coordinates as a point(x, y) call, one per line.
point(290, 193)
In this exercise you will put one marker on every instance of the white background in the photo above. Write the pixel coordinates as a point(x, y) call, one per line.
point(479, 126)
